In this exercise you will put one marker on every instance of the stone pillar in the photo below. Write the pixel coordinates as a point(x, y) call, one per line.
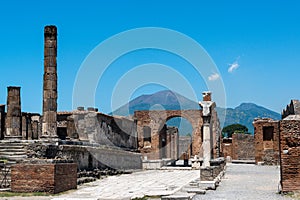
point(49, 126)
point(13, 122)
point(2, 121)
point(206, 106)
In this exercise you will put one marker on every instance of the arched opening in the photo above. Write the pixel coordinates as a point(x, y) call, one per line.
point(180, 130)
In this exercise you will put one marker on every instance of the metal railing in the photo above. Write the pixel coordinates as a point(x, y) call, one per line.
point(4, 175)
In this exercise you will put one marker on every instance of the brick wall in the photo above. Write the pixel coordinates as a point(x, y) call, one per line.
point(243, 147)
point(51, 177)
point(289, 157)
point(227, 147)
point(266, 151)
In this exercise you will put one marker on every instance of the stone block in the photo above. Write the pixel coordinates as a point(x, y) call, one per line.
point(50, 178)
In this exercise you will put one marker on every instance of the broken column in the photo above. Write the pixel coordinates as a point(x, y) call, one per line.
point(49, 126)
point(13, 123)
point(206, 106)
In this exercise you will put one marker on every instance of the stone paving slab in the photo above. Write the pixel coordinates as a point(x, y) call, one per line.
point(247, 182)
point(125, 187)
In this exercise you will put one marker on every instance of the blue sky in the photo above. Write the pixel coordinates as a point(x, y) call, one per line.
point(260, 41)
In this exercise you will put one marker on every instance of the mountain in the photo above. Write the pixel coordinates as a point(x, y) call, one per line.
point(243, 114)
point(165, 99)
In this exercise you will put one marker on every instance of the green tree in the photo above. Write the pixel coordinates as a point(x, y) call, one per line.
point(234, 128)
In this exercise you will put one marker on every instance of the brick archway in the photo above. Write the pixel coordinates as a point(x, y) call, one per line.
point(154, 122)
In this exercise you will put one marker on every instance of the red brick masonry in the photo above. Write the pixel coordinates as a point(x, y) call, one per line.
point(50, 178)
point(290, 151)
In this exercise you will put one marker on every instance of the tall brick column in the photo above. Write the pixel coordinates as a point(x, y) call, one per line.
point(49, 127)
point(13, 122)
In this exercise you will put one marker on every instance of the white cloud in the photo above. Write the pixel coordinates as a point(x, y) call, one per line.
point(233, 67)
point(214, 77)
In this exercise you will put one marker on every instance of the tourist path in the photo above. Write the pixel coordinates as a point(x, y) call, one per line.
point(139, 184)
point(247, 182)
point(241, 182)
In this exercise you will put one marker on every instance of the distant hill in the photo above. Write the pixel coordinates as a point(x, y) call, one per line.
point(165, 99)
point(245, 113)
point(168, 100)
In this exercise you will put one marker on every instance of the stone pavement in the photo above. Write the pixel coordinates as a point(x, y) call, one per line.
point(151, 183)
point(247, 182)
point(241, 182)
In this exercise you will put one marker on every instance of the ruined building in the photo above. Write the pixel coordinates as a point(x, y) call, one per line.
point(289, 147)
point(93, 139)
point(278, 142)
point(266, 133)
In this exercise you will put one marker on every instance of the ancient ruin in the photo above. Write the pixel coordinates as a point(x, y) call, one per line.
point(94, 140)
point(278, 142)
point(266, 141)
point(49, 119)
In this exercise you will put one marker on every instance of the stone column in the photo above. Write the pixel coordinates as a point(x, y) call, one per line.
point(2, 121)
point(49, 120)
point(13, 121)
point(206, 106)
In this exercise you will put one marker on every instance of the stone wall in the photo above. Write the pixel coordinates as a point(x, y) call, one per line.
point(44, 177)
point(217, 166)
point(172, 143)
point(227, 147)
point(88, 157)
point(31, 126)
point(266, 147)
point(289, 157)
point(184, 145)
point(291, 109)
point(243, 147)
point(95, 127)
point(155, 121)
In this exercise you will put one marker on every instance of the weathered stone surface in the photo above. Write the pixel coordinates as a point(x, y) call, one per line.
point(243, 147)
point(289, 157)
point(156, 120)
point(51, 178)
point(49, 126)
point(266, 152)
point(13, 117)
point(87, 157)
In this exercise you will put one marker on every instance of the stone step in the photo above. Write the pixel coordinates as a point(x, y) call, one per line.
point(176, 197)
point(14, 157)
point(12, 153)
point(12, 150)
point(12, 147)
point(195, 190)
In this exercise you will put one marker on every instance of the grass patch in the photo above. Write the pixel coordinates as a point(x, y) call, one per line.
point(21, 194)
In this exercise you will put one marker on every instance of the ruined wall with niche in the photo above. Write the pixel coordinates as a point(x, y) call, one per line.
point(266, 134)
point(290, 151)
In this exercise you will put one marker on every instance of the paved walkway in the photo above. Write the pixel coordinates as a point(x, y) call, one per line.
point(241, 182)
point(247, 182)
point(139, 184)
